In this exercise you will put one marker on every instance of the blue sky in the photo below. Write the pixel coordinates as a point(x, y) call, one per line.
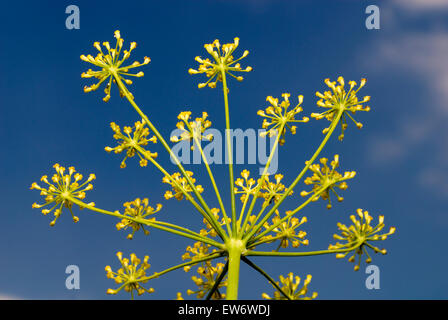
point(400, 154)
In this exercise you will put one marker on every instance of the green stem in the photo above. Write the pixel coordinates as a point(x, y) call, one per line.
point(170, 225)
point(242, 214)
point(264, 206)
point(190, 234)
point(212, 179)
point(296, 254)
point(229, 150)
point(234, 273)
point(253, 244)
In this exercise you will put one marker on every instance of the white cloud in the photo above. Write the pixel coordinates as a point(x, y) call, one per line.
point(422, 126)
point(421, 4)
point(426, 54)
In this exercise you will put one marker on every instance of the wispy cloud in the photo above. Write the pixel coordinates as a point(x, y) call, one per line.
point(421, 4)
point(422, 127)
point(426, 54)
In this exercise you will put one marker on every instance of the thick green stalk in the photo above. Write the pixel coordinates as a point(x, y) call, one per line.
point(234, 274)
point(234, 248)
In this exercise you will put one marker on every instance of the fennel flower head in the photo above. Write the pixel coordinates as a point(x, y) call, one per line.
point(111, 66)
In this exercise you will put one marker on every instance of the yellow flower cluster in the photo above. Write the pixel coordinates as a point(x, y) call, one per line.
point(272, 191)
point(180, 185)
point(111, 66)
point(61, 192)
point(325, 179)
point(360, 236)
point(198, 251)
point(137, 209)
point(223, 61)
point(194, 129)
point(209, 230)
point(247, 185)
point(131, 275)
point(337, 100)
point(129, 143)
point(290, 287)
point(287, 232)
point(208, 275)
point(277, 117)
